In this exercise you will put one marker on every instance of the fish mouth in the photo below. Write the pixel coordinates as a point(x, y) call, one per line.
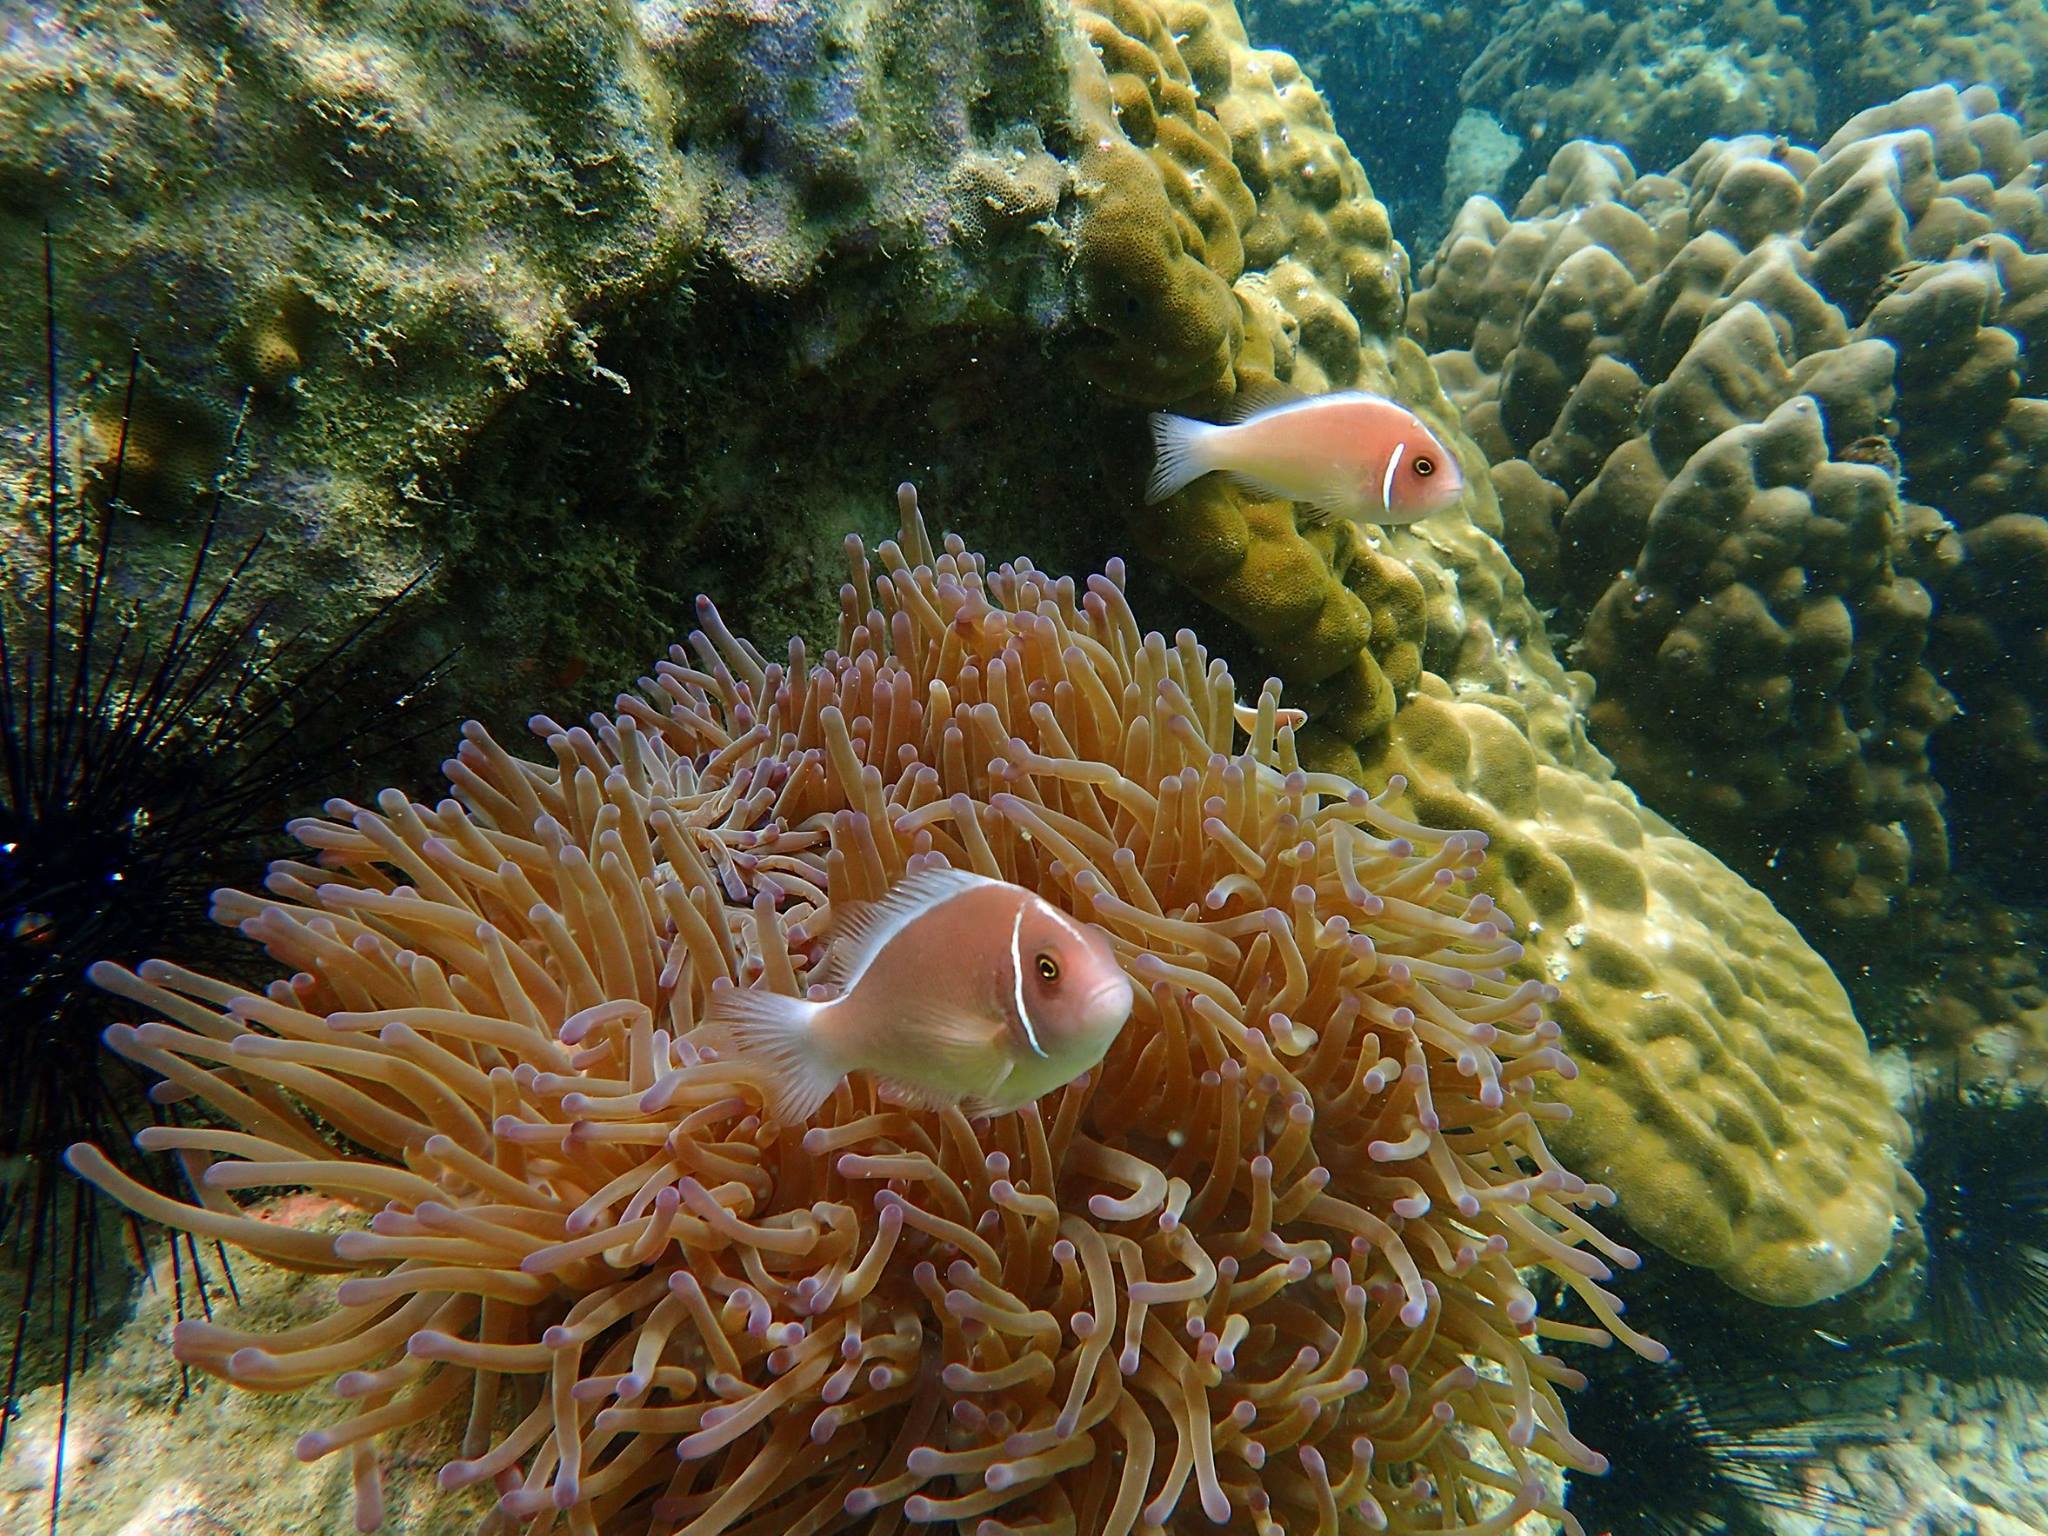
point(1109, 1005)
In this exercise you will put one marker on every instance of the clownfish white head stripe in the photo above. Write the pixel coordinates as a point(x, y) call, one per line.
point(1017, 982)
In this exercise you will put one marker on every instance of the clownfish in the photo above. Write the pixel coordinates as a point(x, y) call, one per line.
point(1353, 454)
point(954, 989)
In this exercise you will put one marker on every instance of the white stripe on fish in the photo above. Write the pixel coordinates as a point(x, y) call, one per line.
point(1017, 980)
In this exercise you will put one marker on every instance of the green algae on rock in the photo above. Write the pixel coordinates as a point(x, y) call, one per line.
point(412, 231)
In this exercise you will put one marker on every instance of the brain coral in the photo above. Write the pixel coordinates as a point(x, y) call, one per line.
point(1707, 397)
point(1260, 1270)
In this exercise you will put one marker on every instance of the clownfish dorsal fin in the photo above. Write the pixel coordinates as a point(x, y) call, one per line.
point(859, 930)
point(1260, 393)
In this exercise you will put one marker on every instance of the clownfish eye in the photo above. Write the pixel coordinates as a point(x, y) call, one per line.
point(1048, 968)
point(1425, 466)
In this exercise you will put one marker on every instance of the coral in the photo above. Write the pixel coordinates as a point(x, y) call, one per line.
point(1277, 262)
point(1991, 636)
point(1725, 1089)
point(1418, 653)
point(713, 233)
point(1654, 79)
point(1707, 396)
point(1876, 49)
point(1389, 70)
point(1150, 203)
point(1978, 998)
point(1275, 254)
point(1248, 1269)
point(687, 239)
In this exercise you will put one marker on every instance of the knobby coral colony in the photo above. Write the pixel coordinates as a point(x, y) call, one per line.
point(1258, 1270)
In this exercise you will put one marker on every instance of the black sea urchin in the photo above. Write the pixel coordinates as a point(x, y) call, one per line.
point(1983, 1161)
point(1710, 1450)
point(146, 746)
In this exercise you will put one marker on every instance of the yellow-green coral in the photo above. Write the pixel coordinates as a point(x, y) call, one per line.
point(1214, 182)
point(1724, 1087)
point(1227, 235)
point(1416, 651)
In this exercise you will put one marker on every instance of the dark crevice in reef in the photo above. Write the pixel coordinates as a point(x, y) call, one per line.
point(726, 443)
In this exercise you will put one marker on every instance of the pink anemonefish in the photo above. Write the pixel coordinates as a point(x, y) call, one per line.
point(1353, 454)
point(953, 989)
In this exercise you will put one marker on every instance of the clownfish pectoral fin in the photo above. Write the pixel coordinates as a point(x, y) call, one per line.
point(1342, 500)
point(1179, 443)
point(1252, 485)
point(955, 1053)
point(979, 1107)
point(999, 1096)
point(777, 1032)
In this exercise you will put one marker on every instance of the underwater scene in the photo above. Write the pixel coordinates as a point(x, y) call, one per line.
point(1024, 767)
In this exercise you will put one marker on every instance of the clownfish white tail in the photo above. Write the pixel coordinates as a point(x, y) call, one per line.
point(1182, 460)
point(777, 1033)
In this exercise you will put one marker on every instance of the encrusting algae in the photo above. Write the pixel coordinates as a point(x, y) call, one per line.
point(1257, 1271)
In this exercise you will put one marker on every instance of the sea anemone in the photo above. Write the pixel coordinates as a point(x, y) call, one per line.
point(1258, 1269)
point(146, 744)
